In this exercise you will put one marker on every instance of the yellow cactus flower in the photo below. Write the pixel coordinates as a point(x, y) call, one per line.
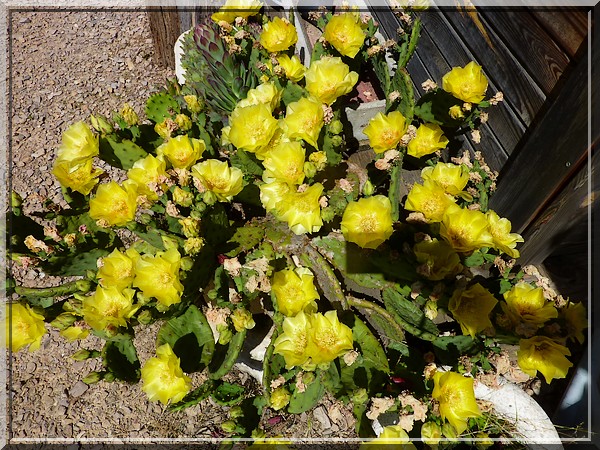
point(438, 260)
point(279, 398)
point(279, 137)
point(329, 338)
point(466, 83)
point(430, 200)
point(75, 333)
point(265, 93)
point(471, 308)
point(272, 193)
point(465, 230)
point(456, 398)
point(293, 67)
point(78, 176)
point(450, 177)
point(429, 139)
point(193, 103)
point(78, 143)
point(252, 127)
point(220, 179)
point(148, 171)
point(23, 327)
point(301, 210)
point(525, 303)
point(129, 115)
point(158, 276)
point(183, 197)
point(278, 35)
point(540, 353)
point(285, 163)
point(385, 131)
point(345, 33)
point(303, 120)
point(295, 291)
point(293, 342)
point(329, 78)
point(114, 204)
point(116, 270)
point(368, 221)
point(503, 239)
point(242, 319)
point(109, 307)
point(190, 227)
point(575, 317)
point(163, 378)
point(182, 151)
point(236, 8)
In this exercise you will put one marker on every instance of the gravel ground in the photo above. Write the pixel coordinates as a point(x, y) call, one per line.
point(67, 65)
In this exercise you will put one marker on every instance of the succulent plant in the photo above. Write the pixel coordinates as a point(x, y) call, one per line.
point(221, 78)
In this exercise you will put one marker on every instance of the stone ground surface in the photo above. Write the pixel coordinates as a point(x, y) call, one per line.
point(67, 65)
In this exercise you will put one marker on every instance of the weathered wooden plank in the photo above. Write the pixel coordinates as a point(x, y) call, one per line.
point(548, 155)
point(553, 227)
point(165, 28)
point(502, 67)
point(542, 58)
point(568, 26)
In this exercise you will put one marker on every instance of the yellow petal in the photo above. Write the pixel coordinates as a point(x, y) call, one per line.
point(368, 221)
point(345, 33)
point(162, 377)
point(466, 83)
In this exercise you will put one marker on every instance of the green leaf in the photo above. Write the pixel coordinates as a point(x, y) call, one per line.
point(292, 93)
point(505, 286)
point(190, 337)
point(475, 259)
point(122, 154)
point(247, 163)
point(216, 225)
point(227, 394)
point(160, 106)
point(303, 401)
point(75, 264)
point(409, 315)
point(449, 348)
point(246, 238)
point(233, 351)
point(196, 396)
point(434, 107)
point(120, 358)
point(369, 346)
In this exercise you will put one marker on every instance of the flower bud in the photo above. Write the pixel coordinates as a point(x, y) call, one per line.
point(368, 188)
point(209, 197)
point(145, 317)
point(182, 197)
point(359, 396)
point(242, 319)
point(225, 334)
point(336, 140)
point(336, 127)
point(191, 227)
point(183, 122)
point(101, 125)
point(129, 115)
point(431, 433)
point(308, 378)
point(229, 426)
point(15, 200)
point(192, 246)
point(310, 170)
point(163, 130)
point(193, 103)
point(280, 398)
point(236, 412)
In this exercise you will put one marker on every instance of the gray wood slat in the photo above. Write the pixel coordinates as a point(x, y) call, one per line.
point(530, 44)
point(549, 154)
point(567, 26)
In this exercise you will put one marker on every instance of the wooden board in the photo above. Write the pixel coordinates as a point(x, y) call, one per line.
point(568, 27)
point(547, 159)
point(165, 28)
point(530, 44)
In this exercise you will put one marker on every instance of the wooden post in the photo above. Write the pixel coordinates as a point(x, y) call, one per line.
point(165, 28)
